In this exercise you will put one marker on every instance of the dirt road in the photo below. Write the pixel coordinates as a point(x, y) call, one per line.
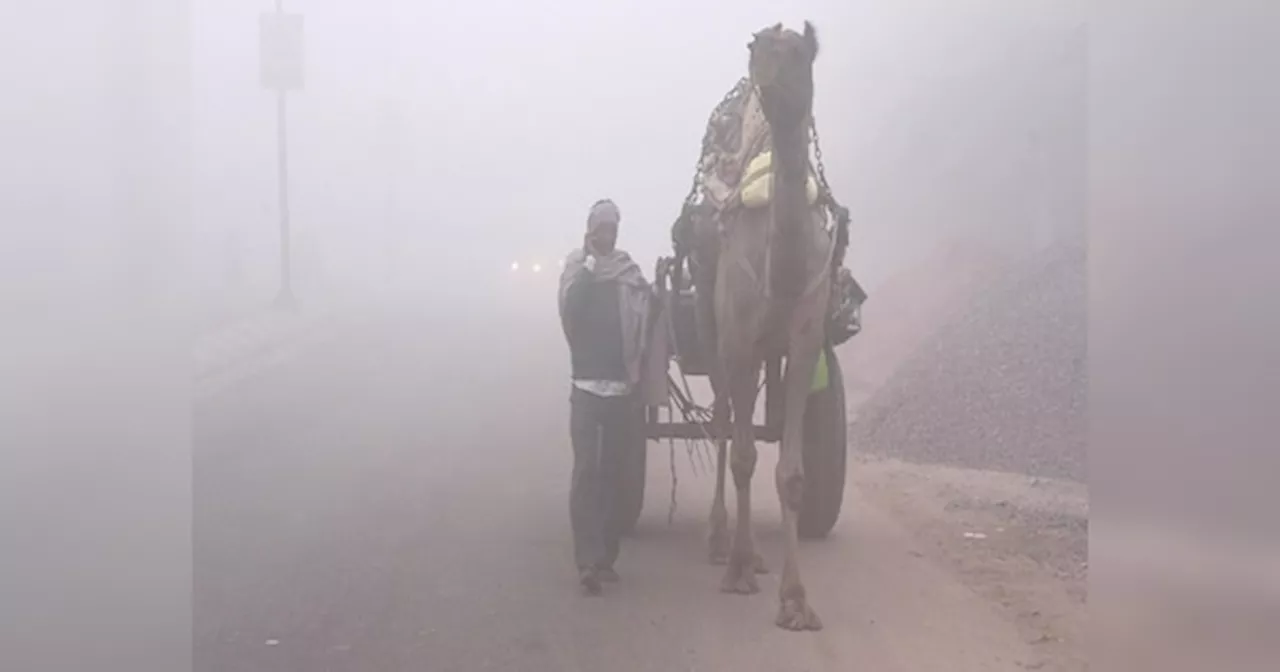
point(397, 500)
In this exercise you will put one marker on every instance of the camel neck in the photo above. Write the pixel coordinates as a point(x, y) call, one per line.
point(790, 152)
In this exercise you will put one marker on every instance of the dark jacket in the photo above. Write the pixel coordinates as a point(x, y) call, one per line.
point(592, 320)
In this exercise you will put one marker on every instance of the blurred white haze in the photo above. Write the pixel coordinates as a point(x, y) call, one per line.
point(453, 138)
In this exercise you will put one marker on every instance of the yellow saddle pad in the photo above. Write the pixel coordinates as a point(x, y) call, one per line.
point(758, 181)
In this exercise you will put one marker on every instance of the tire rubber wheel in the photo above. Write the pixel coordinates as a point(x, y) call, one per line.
point(631, 498)
point(825, 455)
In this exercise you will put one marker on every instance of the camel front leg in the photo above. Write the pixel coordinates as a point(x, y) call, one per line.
point(740, 575)
point(794, 612)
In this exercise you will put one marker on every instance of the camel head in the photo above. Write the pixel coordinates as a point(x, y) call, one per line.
point(781, 68)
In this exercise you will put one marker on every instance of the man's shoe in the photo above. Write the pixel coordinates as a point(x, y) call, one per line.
point(590, 580)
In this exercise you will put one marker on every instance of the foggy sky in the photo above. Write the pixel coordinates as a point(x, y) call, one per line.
point(150, 130)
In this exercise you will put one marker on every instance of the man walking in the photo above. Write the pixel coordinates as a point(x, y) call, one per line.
point(604, 307)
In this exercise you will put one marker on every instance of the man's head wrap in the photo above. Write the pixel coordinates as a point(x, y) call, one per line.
point(603, 213)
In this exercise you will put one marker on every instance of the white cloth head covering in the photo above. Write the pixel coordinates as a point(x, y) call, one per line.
point(603, 212)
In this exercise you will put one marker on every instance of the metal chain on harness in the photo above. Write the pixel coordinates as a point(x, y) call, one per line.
point(704, 159)
point(838, 213)
point(817, 156)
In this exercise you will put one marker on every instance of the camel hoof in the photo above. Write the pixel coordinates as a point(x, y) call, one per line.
point(796, 616)
point(759, 566)
point(739, 579)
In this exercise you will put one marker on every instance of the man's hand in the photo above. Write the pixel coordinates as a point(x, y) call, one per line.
point(589, 263)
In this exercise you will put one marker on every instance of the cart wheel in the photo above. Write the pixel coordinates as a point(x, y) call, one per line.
point(825, 454)
point(631, 498)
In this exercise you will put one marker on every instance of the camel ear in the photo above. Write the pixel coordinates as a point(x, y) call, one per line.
point(811, 39)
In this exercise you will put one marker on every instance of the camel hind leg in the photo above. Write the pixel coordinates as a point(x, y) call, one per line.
point(794, 612)
point(719, 540)
point(740, 574)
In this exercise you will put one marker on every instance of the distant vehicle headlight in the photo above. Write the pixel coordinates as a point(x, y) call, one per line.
point(537, 268)
point(515, 265)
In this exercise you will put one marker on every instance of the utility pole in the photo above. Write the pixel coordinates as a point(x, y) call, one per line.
point(282, 71)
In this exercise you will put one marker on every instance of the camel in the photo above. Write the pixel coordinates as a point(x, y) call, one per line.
point(769, 272)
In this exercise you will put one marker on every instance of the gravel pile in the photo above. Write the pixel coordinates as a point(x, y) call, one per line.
point(1002, 386)
point(909, 307)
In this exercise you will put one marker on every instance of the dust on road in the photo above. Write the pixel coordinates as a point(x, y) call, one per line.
point(397, 499)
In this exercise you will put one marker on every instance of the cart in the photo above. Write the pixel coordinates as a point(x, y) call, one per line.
point(825, 428)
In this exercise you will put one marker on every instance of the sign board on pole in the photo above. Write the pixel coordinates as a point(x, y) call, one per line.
point(280, 51)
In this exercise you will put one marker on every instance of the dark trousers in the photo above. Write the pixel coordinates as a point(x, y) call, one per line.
point(600, 429)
